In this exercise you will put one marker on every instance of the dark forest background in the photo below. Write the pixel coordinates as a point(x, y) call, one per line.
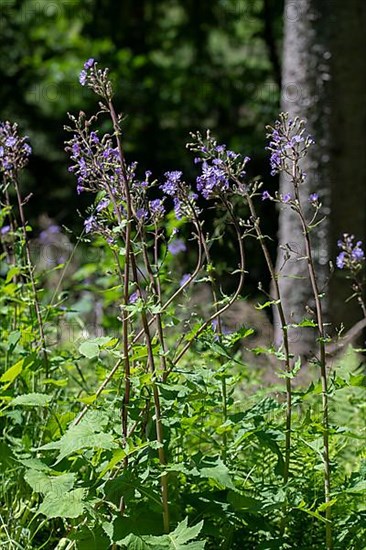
point(178, 66)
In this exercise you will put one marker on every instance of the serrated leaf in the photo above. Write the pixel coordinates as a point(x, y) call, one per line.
point(85, 435)
point(134, 542)
point(179, 539)
point(68, 505)
point(32, 400)
point(89, 349)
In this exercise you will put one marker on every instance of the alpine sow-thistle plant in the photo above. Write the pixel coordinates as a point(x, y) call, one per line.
point(144, 434)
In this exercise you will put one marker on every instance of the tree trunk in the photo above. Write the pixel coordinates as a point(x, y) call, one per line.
point(323, 82)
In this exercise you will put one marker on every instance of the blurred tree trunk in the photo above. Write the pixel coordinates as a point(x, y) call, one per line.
point(324, 82)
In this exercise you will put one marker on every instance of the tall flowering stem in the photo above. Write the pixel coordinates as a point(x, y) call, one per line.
point(221, 166)
point(14, 154)
point(101, 167)
point(288, 145)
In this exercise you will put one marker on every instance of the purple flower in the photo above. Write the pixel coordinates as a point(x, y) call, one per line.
point(82, 77)
point(351, 255)
point(102, 205)
point(286, 142)
point(79, 187)
point(88, 64)
point(265, 195)
point(141, 214)
point(340, 261)
point(94, 138)
point(357, 253)
point(14, 150)
point(133, 298)
point(233, 156)
point(286, 198)
point(5, 229)
point(11, 141)
point(177, 246)
point(27, 149)
point(275, 162)
point(171, 185)
point(177, 208)
point(89, 224)
point(220, 148)
point(212, 180)
point(156, 207)
point(314, 197)
point(185, 279)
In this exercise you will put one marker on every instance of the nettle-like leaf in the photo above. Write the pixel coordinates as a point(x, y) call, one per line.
point(219, 473)
point(92, 347)
point(60, 499)
point(180, 539)
point(68, 505)
point(43, 483)
point(86, 435)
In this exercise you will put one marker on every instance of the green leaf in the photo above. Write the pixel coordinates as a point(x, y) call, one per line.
point(13, 339)
point(89, 349)
point(67, 505)
point(134, 542)
point(179, 539)
point(14, 371)
point(244, 502)
point(218, 473)
point(41, 482)
point(306, 323)
point(90, 538)
point(358, 380)
point(13, 272)
point(32, 400)
point(85, 435)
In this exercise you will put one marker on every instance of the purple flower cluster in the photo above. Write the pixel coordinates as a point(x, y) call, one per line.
point(219, 165)
point(96, 161)
point(351, 255)
point(14, 150)
point(84, 73)
point(181, 194)
point(213, 179)
point(156, 208)
point(286, 142)
point(172, 183)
